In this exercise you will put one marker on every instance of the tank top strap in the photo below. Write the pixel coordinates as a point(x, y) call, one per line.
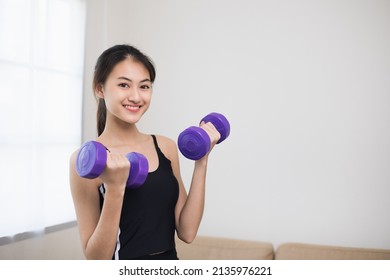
point(155, 141)
point(159, 152)
point(163, 160)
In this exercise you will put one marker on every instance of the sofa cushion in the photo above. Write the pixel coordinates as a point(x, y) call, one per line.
point(216, 248)
point(299, 251)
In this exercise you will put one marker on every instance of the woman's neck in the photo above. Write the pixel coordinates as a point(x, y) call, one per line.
point(119, 133)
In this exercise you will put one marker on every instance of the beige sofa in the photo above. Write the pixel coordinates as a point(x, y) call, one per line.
point(65, 245)
point(213, 248)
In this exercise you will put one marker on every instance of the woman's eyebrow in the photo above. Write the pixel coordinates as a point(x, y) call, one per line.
point(127, 79)
point(124, 78)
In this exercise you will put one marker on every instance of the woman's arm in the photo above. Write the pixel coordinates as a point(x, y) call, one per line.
point(99, 229)
point(189, 208)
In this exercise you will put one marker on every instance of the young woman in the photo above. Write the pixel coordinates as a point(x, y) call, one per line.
point(116, 222)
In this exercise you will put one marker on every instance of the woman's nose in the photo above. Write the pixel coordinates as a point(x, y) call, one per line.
point(134, 96)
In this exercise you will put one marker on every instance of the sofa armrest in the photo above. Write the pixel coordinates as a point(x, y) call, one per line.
point(217, 248)
point(299, 251)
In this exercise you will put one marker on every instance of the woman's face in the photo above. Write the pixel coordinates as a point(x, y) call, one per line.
point(127, 91)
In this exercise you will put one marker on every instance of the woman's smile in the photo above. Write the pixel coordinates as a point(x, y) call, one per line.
point(132, 108)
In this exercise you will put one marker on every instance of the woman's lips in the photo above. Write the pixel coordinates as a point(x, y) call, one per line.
point(132, 108)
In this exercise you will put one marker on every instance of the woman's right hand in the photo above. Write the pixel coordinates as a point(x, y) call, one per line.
point(116, 172)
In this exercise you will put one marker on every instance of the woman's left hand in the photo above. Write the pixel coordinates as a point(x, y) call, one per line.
point(212, 132)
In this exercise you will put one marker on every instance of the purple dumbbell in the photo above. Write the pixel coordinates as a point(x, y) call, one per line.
point(91, 161)
point(194, 142)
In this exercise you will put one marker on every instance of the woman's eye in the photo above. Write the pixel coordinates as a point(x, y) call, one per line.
point(124, 85)
point(145, 86)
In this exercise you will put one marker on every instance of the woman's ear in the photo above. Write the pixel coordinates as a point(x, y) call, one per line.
point(99, 91)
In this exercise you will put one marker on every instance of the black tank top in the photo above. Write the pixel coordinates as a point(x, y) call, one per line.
point(147, 223)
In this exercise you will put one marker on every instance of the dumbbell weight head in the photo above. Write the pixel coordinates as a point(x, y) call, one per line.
point(139, 169)
point(194, 142)
point(91, 160)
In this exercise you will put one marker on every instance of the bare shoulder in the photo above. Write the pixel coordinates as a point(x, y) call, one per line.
point(76, 182)
point(163, 140)
point(167, 146)
point(73, 158)
point(72, 162)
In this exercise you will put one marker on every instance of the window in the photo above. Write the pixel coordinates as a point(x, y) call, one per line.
point(41, 72)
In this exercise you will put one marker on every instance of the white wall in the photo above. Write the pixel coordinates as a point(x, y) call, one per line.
point(305, 85)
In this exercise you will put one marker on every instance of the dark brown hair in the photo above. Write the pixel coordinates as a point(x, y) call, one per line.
point(104, 65)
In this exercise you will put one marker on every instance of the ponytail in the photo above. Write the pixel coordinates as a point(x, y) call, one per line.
point(101, 116)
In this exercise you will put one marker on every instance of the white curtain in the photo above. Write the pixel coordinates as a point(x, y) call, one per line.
point(41, 75)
